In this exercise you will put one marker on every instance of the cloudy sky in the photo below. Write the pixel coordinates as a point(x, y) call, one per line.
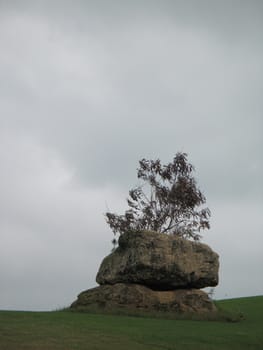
point(87, 89)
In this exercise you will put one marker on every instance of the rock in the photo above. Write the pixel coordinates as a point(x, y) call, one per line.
point(160, 261)
point(134, 297)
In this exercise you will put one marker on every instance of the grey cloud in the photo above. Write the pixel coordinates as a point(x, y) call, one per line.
point(52, 232)
point(231, 19)
point(135, 96)
point(89, 88)
point(236, 234)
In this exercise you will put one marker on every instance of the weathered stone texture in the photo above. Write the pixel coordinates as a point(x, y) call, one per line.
point(161, 262)
point(137, 297)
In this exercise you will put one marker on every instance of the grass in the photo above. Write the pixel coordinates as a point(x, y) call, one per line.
point(67, 330)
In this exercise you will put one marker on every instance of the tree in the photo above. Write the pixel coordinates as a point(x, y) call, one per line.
point(169, 204)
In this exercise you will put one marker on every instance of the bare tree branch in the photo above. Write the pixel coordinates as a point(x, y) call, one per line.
point(173, 203)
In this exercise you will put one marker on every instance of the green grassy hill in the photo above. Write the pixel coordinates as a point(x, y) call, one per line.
point(76, 331)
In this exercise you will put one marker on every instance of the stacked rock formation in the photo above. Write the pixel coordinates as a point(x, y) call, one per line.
point(153, 271)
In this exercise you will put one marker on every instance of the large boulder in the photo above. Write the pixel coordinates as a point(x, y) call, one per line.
point(160, 261)
point(134, 297)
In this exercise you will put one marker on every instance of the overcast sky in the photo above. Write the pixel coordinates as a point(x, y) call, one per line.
point(87, 89)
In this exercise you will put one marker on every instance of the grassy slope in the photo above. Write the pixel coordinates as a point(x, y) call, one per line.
point(69, 331)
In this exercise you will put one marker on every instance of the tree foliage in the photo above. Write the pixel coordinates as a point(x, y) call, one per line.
point(168, 202)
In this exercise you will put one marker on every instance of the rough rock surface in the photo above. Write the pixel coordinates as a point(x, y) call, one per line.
point(138, 297)
point(159, 261)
